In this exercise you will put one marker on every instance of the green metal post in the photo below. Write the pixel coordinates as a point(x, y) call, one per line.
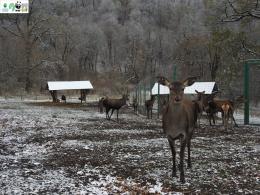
point(246, 93)
point(174, 72)
point(158, 103)
point(138, 94)
point(144, 95)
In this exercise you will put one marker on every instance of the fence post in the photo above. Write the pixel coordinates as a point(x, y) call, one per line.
point(174, 72)
point(158, 101)
point(246, 93)
point(139, 95)
point(144, 95)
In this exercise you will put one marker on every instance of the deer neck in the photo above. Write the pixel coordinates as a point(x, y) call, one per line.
point(176, 107)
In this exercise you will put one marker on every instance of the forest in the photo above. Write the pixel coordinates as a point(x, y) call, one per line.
point(123, 42)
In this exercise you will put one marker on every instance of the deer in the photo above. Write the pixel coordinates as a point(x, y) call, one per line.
point(149, 106)
point(135, 105)
point(100, 104)
point(179, 118)
point(227, 108)
point(203, 105)
point(63, 98)
point(114, 104)
point(200, 105)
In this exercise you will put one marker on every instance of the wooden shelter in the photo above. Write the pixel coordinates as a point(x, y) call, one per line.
point(83, 86)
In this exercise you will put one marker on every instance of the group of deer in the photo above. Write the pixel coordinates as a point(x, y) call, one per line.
point(179, 117)
point(207, 103)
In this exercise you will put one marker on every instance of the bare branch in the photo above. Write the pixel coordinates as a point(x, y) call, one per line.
point(250, 50)
point(239, 15)
point(10, 31)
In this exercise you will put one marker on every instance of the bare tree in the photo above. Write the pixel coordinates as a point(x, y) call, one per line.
point(30, 29)
point(236, 10)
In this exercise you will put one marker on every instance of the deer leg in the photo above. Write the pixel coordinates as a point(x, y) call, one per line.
point(225, 121)
point(223, 117)
point(188, 145)
point(213, 118)
point(197, 123)
point(172, 146)
point(107, 111)
point(181, 166)
point(209, 119)
point(117, 114)
point(233, 119)
point(151, 113)
point(210, 116)
point(111, 113)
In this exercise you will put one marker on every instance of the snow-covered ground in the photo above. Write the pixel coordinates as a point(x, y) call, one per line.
point(72, 149)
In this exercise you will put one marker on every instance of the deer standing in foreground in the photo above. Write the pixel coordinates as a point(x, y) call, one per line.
point(149, 107)
point(114, 104)
point(179, 119)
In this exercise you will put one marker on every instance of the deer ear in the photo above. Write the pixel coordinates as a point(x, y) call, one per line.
point(163, 81)
point(189, 81)
point(203, 92)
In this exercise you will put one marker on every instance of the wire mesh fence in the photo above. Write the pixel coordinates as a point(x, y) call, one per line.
point(143, 93)
point(253, 96)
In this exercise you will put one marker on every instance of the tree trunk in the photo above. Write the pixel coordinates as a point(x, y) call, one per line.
point(28, 82)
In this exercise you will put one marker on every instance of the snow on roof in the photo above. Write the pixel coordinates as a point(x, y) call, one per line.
point(163, 89)
point(67, 85)
point(208, 87)
point(200, 86)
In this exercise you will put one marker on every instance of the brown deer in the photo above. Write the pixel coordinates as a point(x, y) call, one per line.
point(100, 104)
point(203, 104)
point(178, 121)
point(149, 106)
point(135, 105)
point(114, 104)
point(200, 105)
point(63, 98)
point(227, 108)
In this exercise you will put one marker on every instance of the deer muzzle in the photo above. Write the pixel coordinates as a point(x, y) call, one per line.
point(177, 99)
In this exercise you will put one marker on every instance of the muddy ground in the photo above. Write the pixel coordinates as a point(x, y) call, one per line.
point(73, 149)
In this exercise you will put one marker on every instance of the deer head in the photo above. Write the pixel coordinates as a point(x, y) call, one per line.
point(200, 94)
point(177, 87)
point(206, 99)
